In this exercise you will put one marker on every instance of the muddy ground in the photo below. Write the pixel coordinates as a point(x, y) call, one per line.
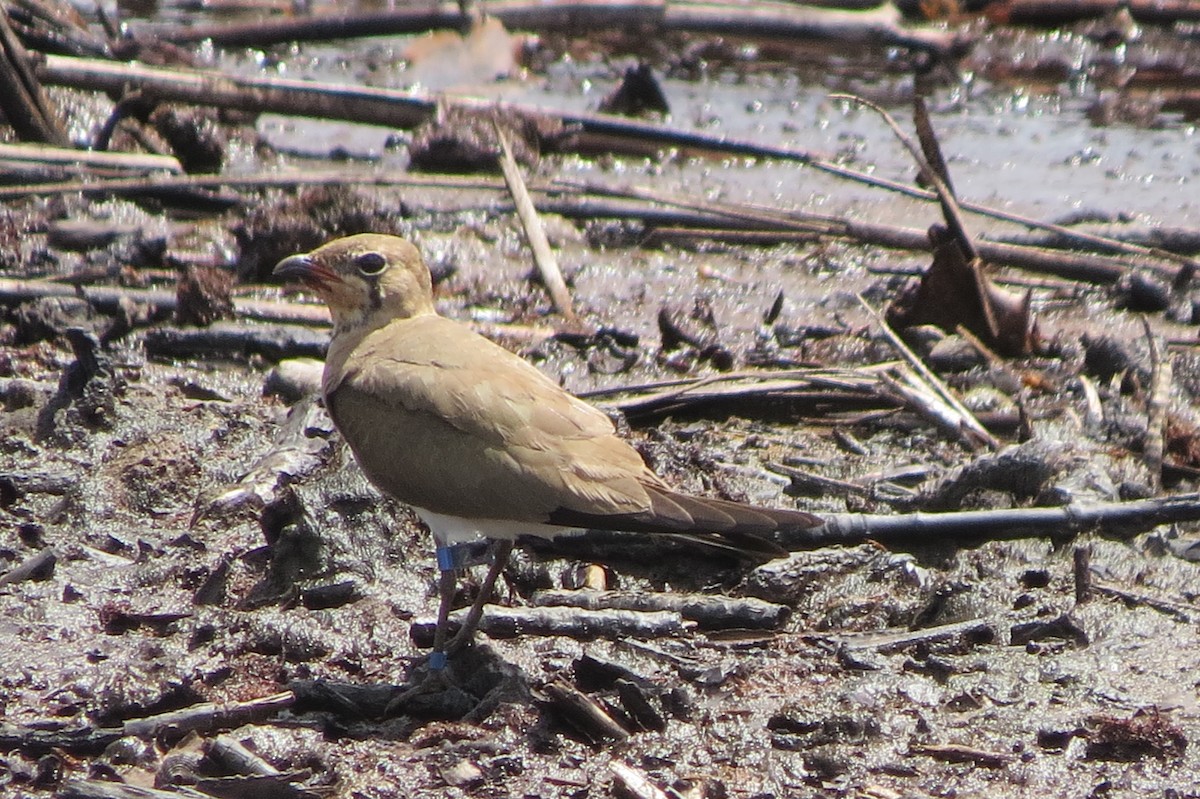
point(199, 535)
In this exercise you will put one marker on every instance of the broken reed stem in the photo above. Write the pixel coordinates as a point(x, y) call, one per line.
point(535, 234)
point(1157, 402)
point(259, 180)
point(55, 156)
point(945, 196)
point(938, 386)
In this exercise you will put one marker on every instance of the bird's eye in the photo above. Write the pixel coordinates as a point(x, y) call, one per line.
point(370, 264)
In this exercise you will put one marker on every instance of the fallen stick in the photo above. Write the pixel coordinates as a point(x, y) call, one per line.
point(106, 789)
point(1049, 260)
point(44, 154)
point(583, 713)
point(209, 716)
point(1180, 611)
point(295, 452)
point(26, 107)
point(669, 395)
point(819, 484)
point(36, 741)
point(121, 186)
point(887, 641)
point(1121, 519)
point(501, 622)
point(366, 105)
point(535, 234)
point(961, 753)
point(879, 25)
point(712, 612)
point(967, 426)
point(1063, 12)
point(274, 341)
point(111, 299)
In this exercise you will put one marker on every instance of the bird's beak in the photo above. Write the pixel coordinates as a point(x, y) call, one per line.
point(306, 270)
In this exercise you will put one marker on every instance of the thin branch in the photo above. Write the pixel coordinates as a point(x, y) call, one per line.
point(1122, 519)
point(535, 234)
point(972, 424)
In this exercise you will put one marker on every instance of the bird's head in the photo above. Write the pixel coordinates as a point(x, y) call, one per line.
point(368, 279)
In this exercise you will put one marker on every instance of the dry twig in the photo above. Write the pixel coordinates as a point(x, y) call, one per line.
point(963, 421)
point(535, 234)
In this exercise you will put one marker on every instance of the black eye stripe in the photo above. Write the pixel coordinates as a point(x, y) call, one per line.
point(370, 263)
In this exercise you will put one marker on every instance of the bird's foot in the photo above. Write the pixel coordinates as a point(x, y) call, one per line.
point(431, 691)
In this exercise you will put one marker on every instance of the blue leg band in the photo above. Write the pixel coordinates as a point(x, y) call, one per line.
point(461, 555)
point(437, 661)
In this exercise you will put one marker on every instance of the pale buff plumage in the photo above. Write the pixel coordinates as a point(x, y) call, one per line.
point(478, 441)
point(443, 419)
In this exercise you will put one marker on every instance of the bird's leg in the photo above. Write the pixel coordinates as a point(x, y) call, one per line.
point(450, 558)
point(446, 584)
point(500, 552)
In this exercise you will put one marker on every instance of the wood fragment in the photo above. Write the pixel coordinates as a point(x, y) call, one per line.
point(840, 388)
point(635, 781)
point(535, 234)
point(1057, 13)
point(274, 341)
point(1180, 611)
point(209, 716)
point(961, 753)
point(98, 161)
point(319, 177)
point(14, 485)
point(25, 105)
point(637, 705)
point(1082, 571)
point(501, 622)
point(711, 612)
point(583, 713)
point(111, 299)
point(37, 741)
point(818, 483)
point(39, 566)
point(971, 430)
point(298, 449)
point(886, 641)
point(106, 789)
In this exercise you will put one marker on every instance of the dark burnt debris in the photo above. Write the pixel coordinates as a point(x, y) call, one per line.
point(990, 398)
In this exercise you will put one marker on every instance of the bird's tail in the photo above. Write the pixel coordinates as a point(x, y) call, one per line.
point(746, 529)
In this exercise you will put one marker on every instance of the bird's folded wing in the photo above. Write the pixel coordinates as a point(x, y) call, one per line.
point(444, 419)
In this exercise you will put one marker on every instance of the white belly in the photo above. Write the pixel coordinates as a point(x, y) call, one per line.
point(450, 530)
